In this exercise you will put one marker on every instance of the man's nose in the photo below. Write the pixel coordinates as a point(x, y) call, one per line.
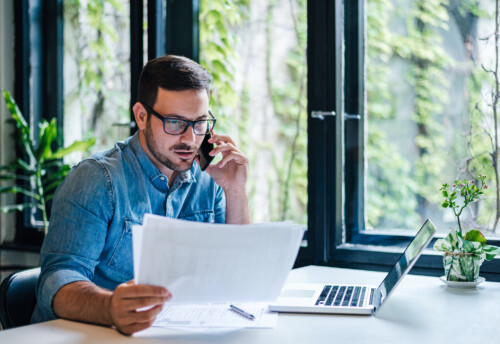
point(189, 136)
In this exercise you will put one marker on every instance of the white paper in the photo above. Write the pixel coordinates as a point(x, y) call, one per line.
point(219, 315)
point(216, 263)
point(136, 247)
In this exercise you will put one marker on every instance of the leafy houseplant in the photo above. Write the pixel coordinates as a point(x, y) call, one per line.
point(464, 252)
point(39, 170)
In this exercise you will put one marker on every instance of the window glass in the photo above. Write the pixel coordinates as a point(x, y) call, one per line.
point(432, 100)
point(256, 51)
point(96, 72)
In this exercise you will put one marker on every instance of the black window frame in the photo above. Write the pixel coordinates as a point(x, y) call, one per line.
point(38, 87)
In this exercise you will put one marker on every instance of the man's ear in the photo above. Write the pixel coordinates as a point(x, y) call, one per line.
point(141, 115)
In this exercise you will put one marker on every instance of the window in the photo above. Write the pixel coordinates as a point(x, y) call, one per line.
point(427, 119)
point(428, 102)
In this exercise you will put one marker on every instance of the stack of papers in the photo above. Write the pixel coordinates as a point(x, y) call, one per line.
point(208, 266)
point(216, 316)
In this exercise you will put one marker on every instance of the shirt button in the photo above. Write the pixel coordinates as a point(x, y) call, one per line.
point(162, 178)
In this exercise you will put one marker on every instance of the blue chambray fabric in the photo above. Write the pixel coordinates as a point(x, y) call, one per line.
point(94, 209)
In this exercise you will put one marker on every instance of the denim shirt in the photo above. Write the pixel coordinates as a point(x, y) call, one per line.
point(94, 209)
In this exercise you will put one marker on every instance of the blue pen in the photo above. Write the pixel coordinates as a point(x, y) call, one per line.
point(241, 312)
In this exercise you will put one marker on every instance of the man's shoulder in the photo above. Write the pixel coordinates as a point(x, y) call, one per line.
point(114, 154)
point(106, 164)
point(113, 157)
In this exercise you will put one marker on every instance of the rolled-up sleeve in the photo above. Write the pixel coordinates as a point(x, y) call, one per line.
point(81, 210)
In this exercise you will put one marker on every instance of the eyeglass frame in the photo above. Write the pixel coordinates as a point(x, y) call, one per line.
point(213, 120)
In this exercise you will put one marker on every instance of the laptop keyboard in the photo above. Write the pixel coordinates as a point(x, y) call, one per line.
point(343, 296)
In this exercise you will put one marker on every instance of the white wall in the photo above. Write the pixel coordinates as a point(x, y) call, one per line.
point(7, 83)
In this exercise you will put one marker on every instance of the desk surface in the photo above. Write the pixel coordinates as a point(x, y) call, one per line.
point(421, 310)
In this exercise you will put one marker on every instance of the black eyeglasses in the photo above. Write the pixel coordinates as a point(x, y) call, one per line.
point(177, 126)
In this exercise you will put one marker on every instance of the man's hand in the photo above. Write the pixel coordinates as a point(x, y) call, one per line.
point(84, 301)
point(231, 174)
point(232, 171)
point(127, 301)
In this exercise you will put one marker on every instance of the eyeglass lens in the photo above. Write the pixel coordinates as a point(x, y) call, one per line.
point(177, 126)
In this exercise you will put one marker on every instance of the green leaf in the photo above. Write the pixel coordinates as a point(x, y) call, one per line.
point(25, 166)
point(8, 176)
point(11, 176)
point(17, 190)
point(475, 235)
point(491, 251)
point(77, 146)
point(14, 109)
point(445, 204)
point(18, 207)
point(21, 125)
point(12, 167)
point(48, 133)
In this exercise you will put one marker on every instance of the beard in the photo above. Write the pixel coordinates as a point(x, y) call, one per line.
point(162, 157)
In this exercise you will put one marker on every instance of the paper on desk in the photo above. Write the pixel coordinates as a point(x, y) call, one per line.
point(218, 315)
point(215, 263)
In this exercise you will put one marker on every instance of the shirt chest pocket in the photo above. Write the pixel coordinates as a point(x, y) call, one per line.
point(199, 216)
point(122, 258)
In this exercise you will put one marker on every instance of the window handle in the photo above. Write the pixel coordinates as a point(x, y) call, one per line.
point(322, 114)
point(351, 116)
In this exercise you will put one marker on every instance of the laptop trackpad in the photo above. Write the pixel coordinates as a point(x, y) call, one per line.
point(297, 293)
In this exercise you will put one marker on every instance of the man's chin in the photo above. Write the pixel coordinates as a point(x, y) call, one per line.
point(184, 165)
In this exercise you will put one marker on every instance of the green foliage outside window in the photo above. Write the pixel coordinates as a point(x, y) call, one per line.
point(97, 90)
point(401, 190)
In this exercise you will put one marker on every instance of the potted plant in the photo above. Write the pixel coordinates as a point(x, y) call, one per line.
point(464, 251)
point(38, 170)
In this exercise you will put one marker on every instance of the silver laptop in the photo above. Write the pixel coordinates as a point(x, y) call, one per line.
point(352, 299)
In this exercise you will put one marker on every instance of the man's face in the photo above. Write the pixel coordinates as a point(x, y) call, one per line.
point(175, 152)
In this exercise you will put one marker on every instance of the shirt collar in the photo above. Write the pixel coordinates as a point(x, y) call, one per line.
point(152, 172)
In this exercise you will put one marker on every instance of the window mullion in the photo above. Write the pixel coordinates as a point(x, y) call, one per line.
point(324, 92)
point(136, 53)
point(354, 117)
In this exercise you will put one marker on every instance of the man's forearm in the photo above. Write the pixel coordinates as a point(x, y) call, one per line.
point(237, 208)
point(83, 301)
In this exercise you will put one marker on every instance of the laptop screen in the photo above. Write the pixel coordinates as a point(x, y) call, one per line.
point(405, 262)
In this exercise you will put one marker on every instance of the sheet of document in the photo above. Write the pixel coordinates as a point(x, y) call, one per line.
point(203, 263)
point(218, 315)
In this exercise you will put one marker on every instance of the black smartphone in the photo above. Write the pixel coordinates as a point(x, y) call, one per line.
point(205, 148)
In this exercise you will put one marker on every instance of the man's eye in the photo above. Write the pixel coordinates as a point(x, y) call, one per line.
point(174, 122)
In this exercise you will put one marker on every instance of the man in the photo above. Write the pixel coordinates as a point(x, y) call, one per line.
point(87, 254)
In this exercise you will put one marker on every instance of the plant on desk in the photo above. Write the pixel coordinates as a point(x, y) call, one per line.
point(464, 252)
point(38, 170)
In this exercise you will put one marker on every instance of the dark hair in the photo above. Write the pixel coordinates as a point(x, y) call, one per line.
point(173, 73)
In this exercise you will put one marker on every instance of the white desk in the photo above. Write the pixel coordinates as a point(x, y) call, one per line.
point(421, 310)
